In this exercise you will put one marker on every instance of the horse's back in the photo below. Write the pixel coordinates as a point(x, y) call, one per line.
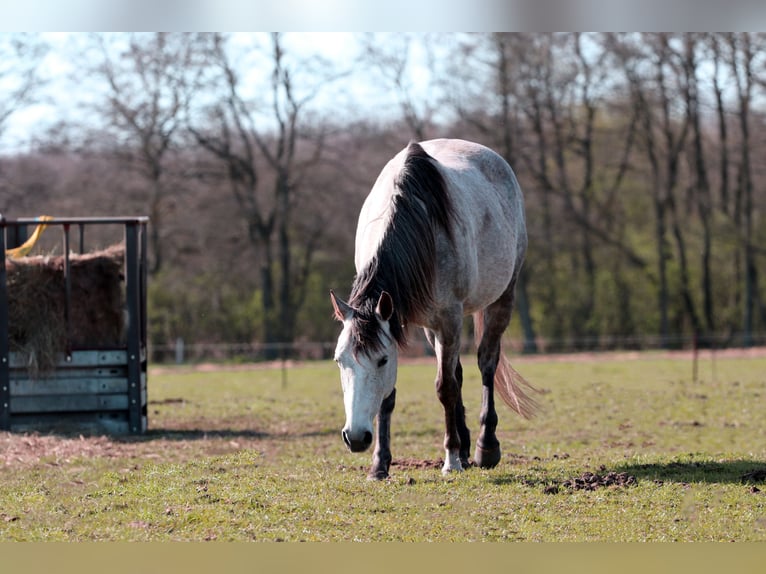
point(491, 241)
point(478, 259)
point(479, 179)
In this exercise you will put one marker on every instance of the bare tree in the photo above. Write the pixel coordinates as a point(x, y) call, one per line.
point(20, 57)
point(741, 61)
point(674, 133)
point(565, 79)
point(566, 100)
point(279, 152)
point(700, 187)
point(717, 50)
point(645, 63)
point(390, 55)
point(147, 88)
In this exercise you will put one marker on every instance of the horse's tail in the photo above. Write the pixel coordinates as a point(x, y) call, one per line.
point(509, 384)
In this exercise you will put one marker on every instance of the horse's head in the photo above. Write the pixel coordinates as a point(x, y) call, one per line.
point(367, 355)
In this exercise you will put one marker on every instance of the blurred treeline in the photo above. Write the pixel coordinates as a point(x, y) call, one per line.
point(642, 159)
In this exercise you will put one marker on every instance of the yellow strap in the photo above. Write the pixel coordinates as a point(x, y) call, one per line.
point(26, 247)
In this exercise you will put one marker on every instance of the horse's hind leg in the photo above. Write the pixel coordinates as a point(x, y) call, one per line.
point(496, 318)
point(381, 457)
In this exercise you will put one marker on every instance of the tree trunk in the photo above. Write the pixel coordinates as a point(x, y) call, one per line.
point(522, 305)
point(286, 304)
point(662, 256)
point(741, 66)
point(701, 184)
point(155, 226)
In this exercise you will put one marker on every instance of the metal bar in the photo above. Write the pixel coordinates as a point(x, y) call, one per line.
point(62, 403)
point(16, 236)
point(5, 380)
point(77, 220)
point(133, 303)
point(82, 237)
point(104, 360)
point(144, 273)
point(68, 293)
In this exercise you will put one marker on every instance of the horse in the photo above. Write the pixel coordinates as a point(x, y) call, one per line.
point(441, 235)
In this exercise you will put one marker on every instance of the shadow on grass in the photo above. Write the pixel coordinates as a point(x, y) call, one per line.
point(220, 434)
point(681, 472)
point(734, 471)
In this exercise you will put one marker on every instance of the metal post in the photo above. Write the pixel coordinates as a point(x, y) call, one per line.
point(16, 235)
point(68, 293)
point(179, 351)
point(143, 273)
point(133, 296)
point(5, 358)
point(82, 237)
point(695, 357)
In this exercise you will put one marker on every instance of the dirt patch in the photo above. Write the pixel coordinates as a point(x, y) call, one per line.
point(592, 481)
point(30, 449)
point(416, 464)
point(19, 451)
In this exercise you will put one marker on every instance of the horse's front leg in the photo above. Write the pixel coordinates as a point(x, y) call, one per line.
point(448, 389)
point(462, 429)
point(381, 456)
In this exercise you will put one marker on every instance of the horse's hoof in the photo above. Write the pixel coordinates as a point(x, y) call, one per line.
point(487, 458)
point(377, 475)
point(452, 463)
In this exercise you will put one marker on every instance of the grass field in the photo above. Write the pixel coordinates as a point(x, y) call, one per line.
point(242, 455)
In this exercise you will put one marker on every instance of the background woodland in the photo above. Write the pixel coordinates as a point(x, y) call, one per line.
point(642, 158)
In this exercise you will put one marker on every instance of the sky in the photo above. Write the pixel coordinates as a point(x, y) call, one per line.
point(244, 15)
point(383, 15)
point(320, 22)
point(67, 88)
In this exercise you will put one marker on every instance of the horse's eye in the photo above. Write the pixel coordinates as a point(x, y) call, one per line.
point(382, 361)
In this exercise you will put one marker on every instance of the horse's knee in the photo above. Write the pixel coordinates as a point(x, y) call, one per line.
point(447, 391)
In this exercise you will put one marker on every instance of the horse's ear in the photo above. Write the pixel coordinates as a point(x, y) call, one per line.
point(385, 307)
point(342, 309)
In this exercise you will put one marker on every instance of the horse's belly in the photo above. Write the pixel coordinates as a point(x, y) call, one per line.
point(478, 280)
point(485, 293)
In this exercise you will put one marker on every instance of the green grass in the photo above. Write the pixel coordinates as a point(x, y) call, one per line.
point(240, 456)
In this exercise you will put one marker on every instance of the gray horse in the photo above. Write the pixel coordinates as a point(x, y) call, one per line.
point(441, 235)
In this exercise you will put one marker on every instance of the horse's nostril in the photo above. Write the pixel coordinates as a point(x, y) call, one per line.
point(357, 444)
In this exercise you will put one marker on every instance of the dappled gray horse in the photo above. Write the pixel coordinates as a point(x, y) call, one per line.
point(441, 235)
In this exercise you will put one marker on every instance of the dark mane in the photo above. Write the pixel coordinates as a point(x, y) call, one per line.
point(404, 265)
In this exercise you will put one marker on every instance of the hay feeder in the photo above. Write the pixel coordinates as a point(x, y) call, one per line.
point(73, 331)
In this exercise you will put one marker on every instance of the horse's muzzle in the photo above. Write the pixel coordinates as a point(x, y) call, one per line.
point(357, 443)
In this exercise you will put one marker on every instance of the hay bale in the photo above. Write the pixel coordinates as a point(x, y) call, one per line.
point(37, 301)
